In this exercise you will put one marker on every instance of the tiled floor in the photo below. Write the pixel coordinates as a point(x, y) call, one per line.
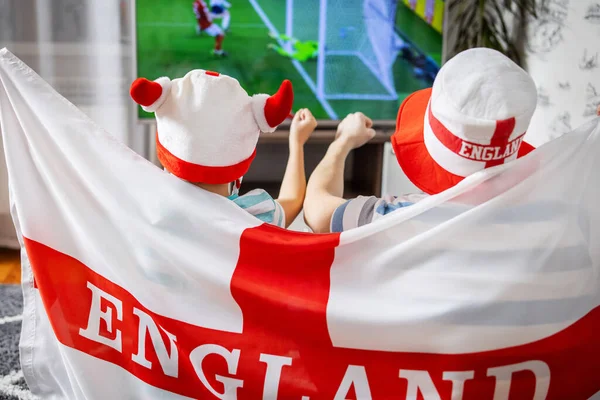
point(10, 266)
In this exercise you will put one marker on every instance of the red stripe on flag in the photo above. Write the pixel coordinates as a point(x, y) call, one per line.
point(281, 283)
point(282, 286)
point(63, 285)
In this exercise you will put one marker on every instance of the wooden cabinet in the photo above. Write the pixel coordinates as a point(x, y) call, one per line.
point(362, 173)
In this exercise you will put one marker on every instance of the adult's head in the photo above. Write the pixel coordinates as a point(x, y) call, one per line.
point(474, 117)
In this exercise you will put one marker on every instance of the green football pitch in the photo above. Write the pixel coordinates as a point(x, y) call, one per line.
point(167, 45)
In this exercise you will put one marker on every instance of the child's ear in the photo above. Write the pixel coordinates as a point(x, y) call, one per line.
point(150, 94)
point(270, 111)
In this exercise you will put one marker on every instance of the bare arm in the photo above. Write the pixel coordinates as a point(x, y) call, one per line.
point(293, 186)
point(326, 188)
point(326, 185)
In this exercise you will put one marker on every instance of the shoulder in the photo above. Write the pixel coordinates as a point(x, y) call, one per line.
point(252, 197)
point(366, 209)
point(260, 204)
point(255, 201)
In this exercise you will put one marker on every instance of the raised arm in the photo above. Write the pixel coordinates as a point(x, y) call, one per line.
point(326, 184)
point(293, 186)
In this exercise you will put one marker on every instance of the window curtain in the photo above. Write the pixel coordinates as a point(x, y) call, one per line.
point(84, 49)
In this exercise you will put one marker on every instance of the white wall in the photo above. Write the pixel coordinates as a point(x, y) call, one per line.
point(562, 54)
point(393, 180)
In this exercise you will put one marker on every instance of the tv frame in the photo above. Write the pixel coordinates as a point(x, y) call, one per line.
point(323, 124)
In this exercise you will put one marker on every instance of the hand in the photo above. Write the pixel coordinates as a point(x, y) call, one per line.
point(302, 126)
point(355, 130)
point(598, 110)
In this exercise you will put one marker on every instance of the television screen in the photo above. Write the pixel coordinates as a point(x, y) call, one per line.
point(342, 56)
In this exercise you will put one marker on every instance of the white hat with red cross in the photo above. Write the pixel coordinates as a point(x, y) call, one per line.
point(475, 117)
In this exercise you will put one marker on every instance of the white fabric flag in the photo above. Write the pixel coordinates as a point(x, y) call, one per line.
point(139, 285)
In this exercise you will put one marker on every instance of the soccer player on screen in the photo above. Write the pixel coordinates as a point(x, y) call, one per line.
point(300, 50)
point(220, 9)
point(205, 24)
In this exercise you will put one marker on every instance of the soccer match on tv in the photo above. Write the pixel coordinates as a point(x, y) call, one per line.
point(300, 199)
point(341, 55)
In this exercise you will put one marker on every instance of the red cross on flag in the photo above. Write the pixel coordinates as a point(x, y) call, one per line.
point(140, 286)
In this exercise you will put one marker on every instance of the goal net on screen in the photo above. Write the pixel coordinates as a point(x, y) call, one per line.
point(302, 19)
point(357, 49)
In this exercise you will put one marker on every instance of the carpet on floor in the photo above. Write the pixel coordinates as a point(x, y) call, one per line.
point(12, 383)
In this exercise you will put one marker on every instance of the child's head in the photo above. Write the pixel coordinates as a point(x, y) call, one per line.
point(475, 117)
point(207, 125)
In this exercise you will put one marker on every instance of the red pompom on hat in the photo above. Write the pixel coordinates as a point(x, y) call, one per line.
point(474, 117)
point(207, 125)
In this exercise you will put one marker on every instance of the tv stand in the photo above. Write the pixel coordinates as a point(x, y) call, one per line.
point(362, 175)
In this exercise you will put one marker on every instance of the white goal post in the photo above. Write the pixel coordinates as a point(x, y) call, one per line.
point(358, 45)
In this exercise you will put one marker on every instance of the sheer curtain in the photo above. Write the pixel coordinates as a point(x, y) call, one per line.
point(84, 48)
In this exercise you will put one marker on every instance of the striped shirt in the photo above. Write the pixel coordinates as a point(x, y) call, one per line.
point(260, 204)
point(366, 209)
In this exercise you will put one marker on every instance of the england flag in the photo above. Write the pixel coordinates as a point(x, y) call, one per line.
point(138, 285)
